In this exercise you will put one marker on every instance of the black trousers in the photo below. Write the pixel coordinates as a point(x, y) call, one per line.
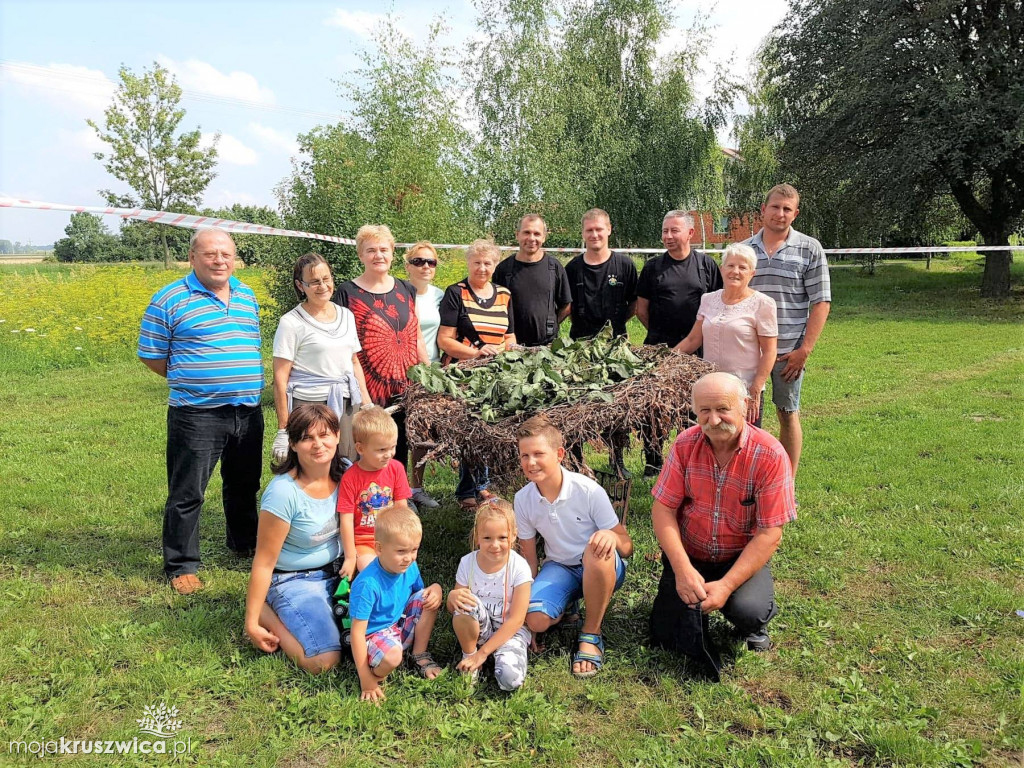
point(197, 438)
point(749, 608)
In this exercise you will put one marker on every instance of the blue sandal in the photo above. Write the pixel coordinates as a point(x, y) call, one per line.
point(593, 658)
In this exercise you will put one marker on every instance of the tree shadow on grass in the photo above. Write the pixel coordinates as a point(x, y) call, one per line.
point(903, 292)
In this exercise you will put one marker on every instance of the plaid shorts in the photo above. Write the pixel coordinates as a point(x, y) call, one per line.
point(398, 634)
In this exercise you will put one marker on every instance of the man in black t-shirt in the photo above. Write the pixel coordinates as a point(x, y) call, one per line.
point(668, 298)
point(670, 286)
point(540, 289)
point(603, 284)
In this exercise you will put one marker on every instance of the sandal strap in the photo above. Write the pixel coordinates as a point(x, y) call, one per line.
point(593, 639)
point(593, 658)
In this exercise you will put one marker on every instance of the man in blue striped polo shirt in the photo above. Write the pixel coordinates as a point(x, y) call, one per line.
point(791, 268)
point(202, 333)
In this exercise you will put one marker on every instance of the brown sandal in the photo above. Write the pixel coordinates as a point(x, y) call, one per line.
point(186, 584)
point(423, 663)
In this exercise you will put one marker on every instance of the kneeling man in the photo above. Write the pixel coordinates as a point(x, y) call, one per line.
point(719, 506)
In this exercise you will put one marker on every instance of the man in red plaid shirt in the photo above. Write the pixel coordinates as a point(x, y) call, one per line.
point(719, 506)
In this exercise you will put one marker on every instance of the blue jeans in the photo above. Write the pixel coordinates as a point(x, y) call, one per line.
point(197, 438)
point(472, 479)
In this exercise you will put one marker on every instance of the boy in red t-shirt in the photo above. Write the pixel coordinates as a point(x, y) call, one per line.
point(374, 483)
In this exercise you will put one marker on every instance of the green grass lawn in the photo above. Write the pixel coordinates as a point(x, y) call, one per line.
point(897, 641)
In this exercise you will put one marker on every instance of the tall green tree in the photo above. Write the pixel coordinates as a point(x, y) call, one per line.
point(87, 239)
point(902, 101)
point(402, 157)
point(166, 169)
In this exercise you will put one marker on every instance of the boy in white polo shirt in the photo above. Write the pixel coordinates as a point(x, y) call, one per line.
point(586, 545)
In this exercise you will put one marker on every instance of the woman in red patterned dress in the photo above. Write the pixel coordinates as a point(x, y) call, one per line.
point(385, 312)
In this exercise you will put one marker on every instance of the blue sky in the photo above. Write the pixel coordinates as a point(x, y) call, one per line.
point(260, 73)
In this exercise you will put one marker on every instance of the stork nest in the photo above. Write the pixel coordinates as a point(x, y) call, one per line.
point(654, 403)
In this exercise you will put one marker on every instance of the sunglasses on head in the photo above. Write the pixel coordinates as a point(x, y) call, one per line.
point(419, 261)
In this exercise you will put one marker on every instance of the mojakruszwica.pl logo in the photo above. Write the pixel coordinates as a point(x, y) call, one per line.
point(158, 721)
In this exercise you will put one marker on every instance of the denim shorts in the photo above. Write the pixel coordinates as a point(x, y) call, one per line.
point(303, 601)
point(558, 585)
point(786, 394)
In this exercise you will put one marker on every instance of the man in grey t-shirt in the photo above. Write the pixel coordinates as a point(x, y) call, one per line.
point(791, 268)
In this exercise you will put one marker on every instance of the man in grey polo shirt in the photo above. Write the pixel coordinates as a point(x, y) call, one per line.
point(791, 268)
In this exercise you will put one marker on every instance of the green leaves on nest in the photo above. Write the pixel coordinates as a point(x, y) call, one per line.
point(527, 380)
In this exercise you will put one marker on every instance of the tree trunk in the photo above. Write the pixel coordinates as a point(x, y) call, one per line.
point(995, 281)
point(167, 253)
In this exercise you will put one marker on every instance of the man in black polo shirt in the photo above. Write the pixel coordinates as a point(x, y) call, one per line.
point(668, 297)
point(537, 281)
point(603, 284)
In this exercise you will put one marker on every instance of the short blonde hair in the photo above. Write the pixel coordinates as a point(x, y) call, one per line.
point(374, 232)
point(494, 508)
point(371, 422)
point(743, 251)
point(596, 213)
point(787, 191)
point(532, 217)
point(541, 426)
point(422, 245)
point(483, 246)
point(397, 521)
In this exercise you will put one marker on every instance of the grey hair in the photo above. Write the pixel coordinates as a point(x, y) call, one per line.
point(481, 246)
point(732, 380)
point(203, 230)
point(684, 215)
point(743, 250)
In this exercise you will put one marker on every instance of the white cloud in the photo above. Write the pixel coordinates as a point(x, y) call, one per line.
point(359, 22)
point(275, 139)
point(67, 85)
point(84, 140)
point(225, 198)
point(200, 77)
point(230, 150)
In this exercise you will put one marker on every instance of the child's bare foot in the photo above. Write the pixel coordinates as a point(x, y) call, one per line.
point(424, 664)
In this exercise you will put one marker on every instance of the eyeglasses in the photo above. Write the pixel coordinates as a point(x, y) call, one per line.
point(419, 261)
point(318, 283)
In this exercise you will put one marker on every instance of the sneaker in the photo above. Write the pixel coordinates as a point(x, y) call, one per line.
point(424, 500)
point(759, 642)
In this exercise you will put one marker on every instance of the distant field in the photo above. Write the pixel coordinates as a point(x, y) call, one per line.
point(897, 643)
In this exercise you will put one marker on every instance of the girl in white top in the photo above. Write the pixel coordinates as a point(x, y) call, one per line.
point(315, 358)
point(738, 327)
point(421, 266)
point(492, 592)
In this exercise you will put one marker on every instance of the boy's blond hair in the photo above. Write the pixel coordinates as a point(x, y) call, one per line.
point(541, 426)
point(372, 422)
point(397, 521)
point(494, 508)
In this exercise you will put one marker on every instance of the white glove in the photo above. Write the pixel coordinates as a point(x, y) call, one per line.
point(280, 449)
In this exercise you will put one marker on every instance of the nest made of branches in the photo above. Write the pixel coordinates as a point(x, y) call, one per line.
point(655, 402)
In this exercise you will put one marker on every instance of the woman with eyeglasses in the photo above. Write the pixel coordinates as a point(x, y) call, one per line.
point(421, 266)
point(315, 355)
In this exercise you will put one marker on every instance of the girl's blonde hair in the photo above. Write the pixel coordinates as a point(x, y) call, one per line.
point(494, 508)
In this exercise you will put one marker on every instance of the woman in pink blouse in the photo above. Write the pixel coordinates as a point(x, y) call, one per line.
point(738, 327)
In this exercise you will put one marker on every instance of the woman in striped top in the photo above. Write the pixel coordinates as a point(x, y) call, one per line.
point(476, 321)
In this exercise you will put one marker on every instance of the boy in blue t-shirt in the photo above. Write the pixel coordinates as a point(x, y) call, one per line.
point(389, 606)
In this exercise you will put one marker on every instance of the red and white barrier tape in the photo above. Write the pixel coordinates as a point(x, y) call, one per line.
point(199, 222)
